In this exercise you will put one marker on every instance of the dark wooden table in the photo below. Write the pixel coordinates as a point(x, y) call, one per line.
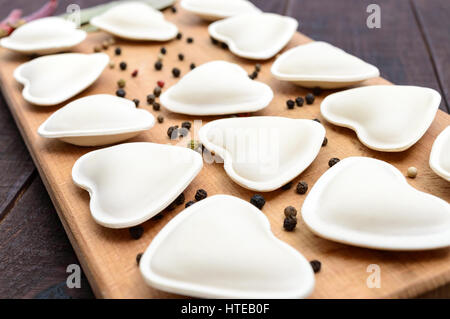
point(412, 47)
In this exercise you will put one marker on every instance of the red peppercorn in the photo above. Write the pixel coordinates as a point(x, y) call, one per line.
point(160, 84)
point(135, 73)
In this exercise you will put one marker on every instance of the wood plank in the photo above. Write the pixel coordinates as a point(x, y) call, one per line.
point(108, 256)
point(35, 251)
point(397, 48)
point(431, 15)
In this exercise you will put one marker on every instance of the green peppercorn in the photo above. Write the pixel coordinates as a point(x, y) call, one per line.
point(299, 101)
point(123, 66)
point(186, 125)
point(290, 104)
point(290, 223)
point(156, 106)
point(316, 265)
point(120, 93)
point(189, 203)
point(200, 194)
point(138, 258)
point(157, 91)
point(176, 72)
point(333, 161)
point(258, 201)
point(160, 118)
point(136, 232)
point(286, 186)
point(290, 211)
point(309, 98)
point(150, 99)
point(136, 102)
point(325, 141)
point(121, 83)
point(180, 56)
point(112, 65)
point(105, 45)
point(158, 65)
point(302, 187)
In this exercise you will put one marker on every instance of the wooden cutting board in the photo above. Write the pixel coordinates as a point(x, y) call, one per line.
point(108, 257)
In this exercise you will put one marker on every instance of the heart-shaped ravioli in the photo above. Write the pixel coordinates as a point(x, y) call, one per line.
point(254, 36)
point(135, 21)
point(367, 202)
point(263, 153)
point(203, 92)
point(130, 183)
point(440, 155)
point(222, 247)
point(53, 79)
point(389, 118)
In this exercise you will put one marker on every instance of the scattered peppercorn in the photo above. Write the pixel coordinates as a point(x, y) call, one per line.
point(290, 223)
point(118, 51)
point(112, 65)
point(105, 45)
point(317, 91)
point(160, 84)
point(179, 35)
point(412, 172)
point(214, 41)
point(325, 141)
point(290, 104)
point(192, 66)
point(163, 50)
point(286, 186)
point(253, 75)
point(150, 99)
point(172, 206)
point(190, 40)
point(97, 48)
point(176, 72)
point(180, 199)
point(257, 67)
point(172, 132)
point(309, 98)
point(174, 9)
point(121, 93)
point(158, 65)
point(186, 125)
point(180, 56)
point(200, 194)
point(223, 45)
point(123, 66)
point(156, 106)
point(290, 211)
point(160, 56)
point(160, 118)
point(121, 83)
point(136, 102)
point(157, 91)
point(135, 73)
point(333, 161)
point(302, 187)
point(258, 201)
point(316, 265)
point(299, 101)
point(138, 258)
point(317, 120)
point(136, 231)
point(189, 203)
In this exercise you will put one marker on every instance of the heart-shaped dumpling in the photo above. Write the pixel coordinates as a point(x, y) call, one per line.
point(53, 79)
point(218, 9)
point(44, 36)
point(130, 183)
point(202, 92)
point(263, 153)
point(389, 118)
point(97, 120)
point(319, 64)
point(254, 36)
point(440, 155)
point(135, 21)
point(368, 203)
point(222, 247)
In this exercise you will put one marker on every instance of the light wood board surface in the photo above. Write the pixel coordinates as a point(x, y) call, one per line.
point(108, 256)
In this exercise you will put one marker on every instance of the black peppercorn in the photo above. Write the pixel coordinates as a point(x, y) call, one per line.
point(123, 66)
point(290, 104)
point(160, 118)
point(223, 45)
point(172, 132)
point(290, 211)
point(136, 102)
point(189, 40)
point(120, 93)
point(186, 125)
point(136, 231)
point(200, 194)
point(258, 201)
point(176, 72)
point(333, 161)
point(179, 35)
point(316, 265)
point(172, 206)
point(163, 50)
point(181, 56)
point(157, 91)
point(286, 186)
point(325, 141)
point(214, 41)
point(118, 51)
point(158, 65)
point(156, 106)
point(180, 199)
point(317, 91)
point(290, 223)
point(302, 187)
point(174, 9)
point(192, 66)
point(299, 101)
point(309, 98)
point(317, 120)
point(138, 258)
point(253, 75)
point(189, 203)
point(150, 98)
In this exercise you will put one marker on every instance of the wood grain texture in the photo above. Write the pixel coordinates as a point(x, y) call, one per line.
point(397, 48)
point(108, 256)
